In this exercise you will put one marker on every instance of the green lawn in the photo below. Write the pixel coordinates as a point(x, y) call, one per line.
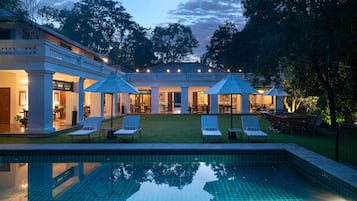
point(186, 129)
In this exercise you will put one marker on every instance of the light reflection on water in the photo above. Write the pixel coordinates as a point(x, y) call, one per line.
point(139, 178)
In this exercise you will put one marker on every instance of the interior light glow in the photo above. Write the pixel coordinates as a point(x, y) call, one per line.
point(228, 70)
point(24, 81)
point(148, 70)
point(209, 70)
point(105, 60)
point(178, 70)
point(167, 70)
point(137, 70)
point(199, 70)
point(261, 91)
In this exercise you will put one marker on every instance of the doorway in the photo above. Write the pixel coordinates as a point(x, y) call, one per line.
point(177, 102)
point(5, 106)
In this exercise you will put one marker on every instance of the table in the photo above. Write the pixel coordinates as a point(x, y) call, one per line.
point(288, 123)
point(232, 133)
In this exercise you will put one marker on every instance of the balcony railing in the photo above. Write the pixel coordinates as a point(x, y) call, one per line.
point(47, 49)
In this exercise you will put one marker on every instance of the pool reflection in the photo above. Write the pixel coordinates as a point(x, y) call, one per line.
point(66, 181)
point(155, 177)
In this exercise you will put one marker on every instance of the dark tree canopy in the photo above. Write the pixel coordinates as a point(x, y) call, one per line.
point(220, 44)
point(317, 40)
point(173, 43)
point(135, 51)
point(104, 27)
point(13, 5)
point(95, 24)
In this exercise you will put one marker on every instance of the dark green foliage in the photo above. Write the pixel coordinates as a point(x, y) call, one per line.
point(313, 41)
point(173, 43)
point(104, 27)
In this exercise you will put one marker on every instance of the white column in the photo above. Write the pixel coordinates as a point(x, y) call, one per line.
point(71, 105)
point(245, 104)
point(40, 181)
point(95, 104)
point(80, 106)
point(126, 103)
point(107, 99)
point(214, 104)
point(184, 100)
point(101, 105)
point(154, 100)
point(115, 105)
point(40, 116)
point(279, 103)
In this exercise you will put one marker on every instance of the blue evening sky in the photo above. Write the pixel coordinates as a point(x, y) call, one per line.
point(202, 16)
point(151, 13)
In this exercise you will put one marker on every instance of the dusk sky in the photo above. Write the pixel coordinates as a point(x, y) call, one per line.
point(203, 16)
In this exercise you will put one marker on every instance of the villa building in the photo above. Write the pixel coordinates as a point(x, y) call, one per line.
point(43, 75)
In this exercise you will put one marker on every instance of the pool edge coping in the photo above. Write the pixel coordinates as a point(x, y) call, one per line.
point(340, 171)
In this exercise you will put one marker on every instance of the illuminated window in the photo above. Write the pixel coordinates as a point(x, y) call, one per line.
point(178, 70)
point(148, 70)
point(228, 70)
point(167, 70)
point(199, 70)
point(137, 70)
point(209, 70)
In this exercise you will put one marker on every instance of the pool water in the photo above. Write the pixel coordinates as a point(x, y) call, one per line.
point(156, 177)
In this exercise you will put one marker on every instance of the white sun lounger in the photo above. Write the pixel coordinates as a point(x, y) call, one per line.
point(251, 127)
point(210, 128)
point(90, 126)
point(130, 126)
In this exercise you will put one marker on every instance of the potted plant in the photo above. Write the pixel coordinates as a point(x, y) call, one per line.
point(21, 119)
point(18, 117)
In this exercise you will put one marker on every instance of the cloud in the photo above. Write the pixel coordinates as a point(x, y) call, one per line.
point(205, 16)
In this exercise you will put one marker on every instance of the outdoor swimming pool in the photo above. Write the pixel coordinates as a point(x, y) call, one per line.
point(177, 172)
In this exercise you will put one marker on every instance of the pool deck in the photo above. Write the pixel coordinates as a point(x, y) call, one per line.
point(338, 170)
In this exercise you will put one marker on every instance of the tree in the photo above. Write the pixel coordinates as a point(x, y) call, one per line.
point(99, 25)
point(317, 34)
point(173, 43)
point(105, 27)
point(137, 50)
point(13, 5)
point(219, 45)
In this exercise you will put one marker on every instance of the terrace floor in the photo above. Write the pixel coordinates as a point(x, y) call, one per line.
point(19, 130)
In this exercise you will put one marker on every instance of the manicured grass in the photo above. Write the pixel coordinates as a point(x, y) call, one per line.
point(186, 129)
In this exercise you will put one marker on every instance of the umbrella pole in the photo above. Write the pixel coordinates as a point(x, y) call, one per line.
point(231, 112)
point(111, 113)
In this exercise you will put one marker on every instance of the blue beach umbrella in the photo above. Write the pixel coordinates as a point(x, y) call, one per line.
point(112, 84)
point(276, 91)
point(231, 85)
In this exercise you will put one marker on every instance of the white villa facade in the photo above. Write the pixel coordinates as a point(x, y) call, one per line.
point(44, 79)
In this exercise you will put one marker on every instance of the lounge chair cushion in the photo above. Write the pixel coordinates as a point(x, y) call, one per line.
point(209, 127)
point(251, 127)
point(90, 126)
point(87, 128)
point(255, 133)
point(211, 133)
point(130, 126)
